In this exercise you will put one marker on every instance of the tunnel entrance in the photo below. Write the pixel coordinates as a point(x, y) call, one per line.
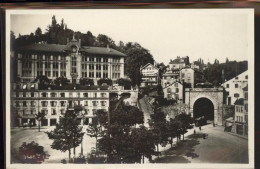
point(203, 107)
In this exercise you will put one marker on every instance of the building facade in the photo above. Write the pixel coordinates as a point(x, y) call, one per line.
point(174, 91)
point(179, 63)
point(169, 77)
point(191, 76)
point(234, 88)
point(150, 75)
point(27, 101)
point(72, 61)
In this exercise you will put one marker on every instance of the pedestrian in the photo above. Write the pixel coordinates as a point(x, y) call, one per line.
point(200, 128)
point(194, 131)
point(213, 124)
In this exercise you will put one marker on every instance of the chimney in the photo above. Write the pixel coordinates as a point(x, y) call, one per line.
point(108, 49)
point(79, 42)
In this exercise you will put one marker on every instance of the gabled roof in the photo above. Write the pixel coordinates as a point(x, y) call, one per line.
point(148, 65)
point(239, 101)
point(56, 48)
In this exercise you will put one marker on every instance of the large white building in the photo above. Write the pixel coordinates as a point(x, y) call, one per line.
point(27, 101)
point(234, 87)
point(150, 75)
point(72, 61)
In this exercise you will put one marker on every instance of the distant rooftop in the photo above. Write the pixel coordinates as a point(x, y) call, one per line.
point(57, 48)
point(239, 101)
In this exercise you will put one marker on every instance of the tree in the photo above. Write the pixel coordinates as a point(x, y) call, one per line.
point(137, 56)
point(143, 142)
point(67, 134)
point(185, 120)
point(102, 81)
point(104, 41)
point(86, 81)
point(43, 81)
point(173, 128)
point(61, 81)
point(158, 126)
point(124, 82)
point(32, 153)
point(39, 117)
point(94, 130)
point(116, 141)
point(38, 32)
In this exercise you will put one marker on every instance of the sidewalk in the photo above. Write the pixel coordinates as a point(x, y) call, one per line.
point(238, 135)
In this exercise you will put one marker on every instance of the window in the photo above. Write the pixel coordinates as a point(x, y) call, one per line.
point(103, 94)
point(62, 111)
point(176, 90)
point(103, 103)
point(44, 94)
point(98, 59)
point(236, 95)
point(98, 67)
point(62, 103)
point(53, 112)
point(62, 94)
point(91, 59)
point(98, 74)
point(227, 85)
point(53, 103)
point(70, 94)
point(85, 94)
point(105, 67)
point(17, 104)
point(169, 96)
point(53, 94)
point(44, 103)
point(105, 59)
point(17, 94)
point(236, 78)
point(32, 103)
point(95, 95)
point(94, 103)
point(246, 77)
point(169, 90)
point(24, 94)
point(105, 75)
point(91, 67)
point(91, 74)
point(246, 95)
point(176, 85)
point(24, 104)
point(86, 103)
point(236, 85)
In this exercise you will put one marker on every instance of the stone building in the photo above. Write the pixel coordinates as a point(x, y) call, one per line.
point(174, 91)
point(234, 88)
point(191, 76)
point(72, 61)
point(28, 100)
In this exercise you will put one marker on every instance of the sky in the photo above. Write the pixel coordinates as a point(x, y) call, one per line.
point(166, 33)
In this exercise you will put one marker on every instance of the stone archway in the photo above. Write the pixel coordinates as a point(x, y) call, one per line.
point(203, 107)
point(210, 96)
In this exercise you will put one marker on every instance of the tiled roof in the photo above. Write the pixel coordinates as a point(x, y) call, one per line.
point(101, 51)
point(239, 101)
point(56, 48)
point(43, 48)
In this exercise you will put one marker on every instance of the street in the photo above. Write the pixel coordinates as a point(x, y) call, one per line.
point(218, 147)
